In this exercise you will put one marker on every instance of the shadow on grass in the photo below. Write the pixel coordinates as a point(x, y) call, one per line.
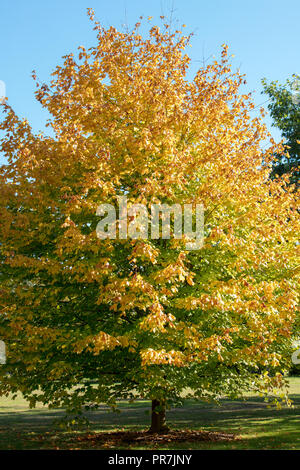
point(258, 426)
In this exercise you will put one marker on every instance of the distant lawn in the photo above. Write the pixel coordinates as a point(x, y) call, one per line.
point(257, 426)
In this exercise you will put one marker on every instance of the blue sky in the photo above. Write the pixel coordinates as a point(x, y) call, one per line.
point(263, 35)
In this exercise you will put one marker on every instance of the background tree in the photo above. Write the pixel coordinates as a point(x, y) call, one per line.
point(284, 107)
point(89, 321)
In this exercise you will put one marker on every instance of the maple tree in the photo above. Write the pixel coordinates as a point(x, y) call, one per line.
point(89, 321)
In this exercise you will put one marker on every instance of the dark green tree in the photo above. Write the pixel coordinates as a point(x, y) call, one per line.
point(284, 107)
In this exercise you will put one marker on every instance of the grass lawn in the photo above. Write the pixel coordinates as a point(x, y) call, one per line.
point(257, 426)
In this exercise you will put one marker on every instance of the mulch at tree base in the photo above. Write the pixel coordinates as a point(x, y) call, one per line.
point(141, 437)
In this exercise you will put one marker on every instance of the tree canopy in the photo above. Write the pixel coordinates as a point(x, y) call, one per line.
point(284, 107)
point(89, 321)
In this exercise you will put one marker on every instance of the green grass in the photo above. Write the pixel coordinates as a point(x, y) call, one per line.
point(257, 426)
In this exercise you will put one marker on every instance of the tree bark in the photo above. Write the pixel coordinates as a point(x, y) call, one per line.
point(158, 417)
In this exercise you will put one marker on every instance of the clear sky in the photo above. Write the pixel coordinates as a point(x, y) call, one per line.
point(262, 34)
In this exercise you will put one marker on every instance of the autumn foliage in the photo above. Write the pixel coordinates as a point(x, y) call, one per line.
point(89, 321)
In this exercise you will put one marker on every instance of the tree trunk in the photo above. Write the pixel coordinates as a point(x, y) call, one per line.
point(158, 417)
